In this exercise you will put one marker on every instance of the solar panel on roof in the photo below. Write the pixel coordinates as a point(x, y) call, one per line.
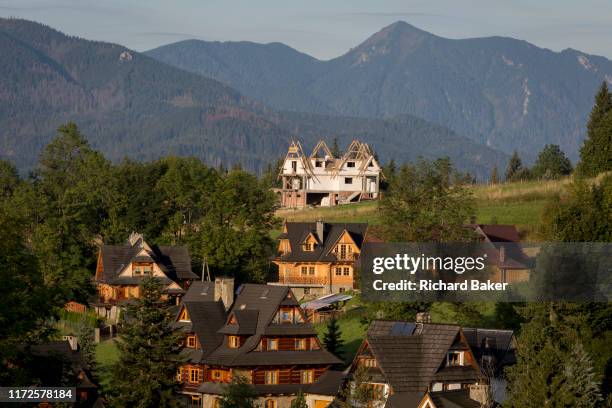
point(402, 329)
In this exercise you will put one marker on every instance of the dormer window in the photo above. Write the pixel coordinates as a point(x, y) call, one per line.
point(233, 341)
point(191, 341)
point(369, 362)
point(308, 247)
point(307, 376)
point(454, 359)
point(184, 316)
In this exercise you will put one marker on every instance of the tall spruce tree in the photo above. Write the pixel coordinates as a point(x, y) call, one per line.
point(596, 152)
point(333, 338)
point(149, 347)
point(514, 168)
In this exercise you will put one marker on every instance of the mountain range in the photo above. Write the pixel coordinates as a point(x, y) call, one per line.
point(129, 104)
point(500, 92)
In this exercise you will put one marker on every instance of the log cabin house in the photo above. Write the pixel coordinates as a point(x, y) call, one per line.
point(121, 268)
point(262, 336)
point(318, 258)
point(510, 264)
point(423, 365)
point(322, 179)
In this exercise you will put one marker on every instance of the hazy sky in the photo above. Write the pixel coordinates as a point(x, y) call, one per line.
point(324, 29)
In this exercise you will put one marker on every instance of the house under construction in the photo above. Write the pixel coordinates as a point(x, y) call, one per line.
point(322, 179)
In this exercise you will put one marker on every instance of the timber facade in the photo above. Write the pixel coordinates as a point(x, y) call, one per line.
point(322, 179)
point(261, 336)
point(121, 269)
point(318, 258)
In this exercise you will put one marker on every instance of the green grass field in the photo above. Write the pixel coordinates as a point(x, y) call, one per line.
point(519, 203)
point(106, 355)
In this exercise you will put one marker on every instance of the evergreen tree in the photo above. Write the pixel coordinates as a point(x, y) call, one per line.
point(358, 392)
point(149, 350)
point(515, 167)
point(551, 163)
point(299, 401)
point(596, 151)
point(422, 205)
point(239, 394)
point(333, 338)
point(494, 179)
point(335, 149)
point(9, 179)
point(583, 383)
point(87, 347)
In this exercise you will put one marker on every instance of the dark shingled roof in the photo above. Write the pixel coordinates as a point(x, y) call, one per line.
point(262, 302)
point(200, 291)
point(173, 260)
point(206, 319)
point(497, 343)
point(54, 357)
point(246, 323)
point(410, 355)
point(298, 231)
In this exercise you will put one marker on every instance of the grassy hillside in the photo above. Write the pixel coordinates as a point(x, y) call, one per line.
point(519, 203)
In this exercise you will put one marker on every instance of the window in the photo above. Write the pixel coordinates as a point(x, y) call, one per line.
point(196, 401)
point(194, 375)
point(348, 180)
point(300, 344)
point(216, 375)
point(343, 251)
point(308, 247)
point(350, 164)
point(147, 270)
point(318, 163)
point(341, 290)
point(272, 377)
point(286, 316)
point(184, 316)
point(455, 358)
point(369, 362)
point(137, 271)
point(311, 270)
point(347, 271)
point(338, 271)
point(270, 404)
point(233, 341)
point(304, 270)
point(307, 377)
point(191, 341)
point(179, 375)
point(272, 344)
point(307, 291)
point(294, 165)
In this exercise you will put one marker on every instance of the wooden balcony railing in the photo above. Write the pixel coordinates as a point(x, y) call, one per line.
point(302, 279)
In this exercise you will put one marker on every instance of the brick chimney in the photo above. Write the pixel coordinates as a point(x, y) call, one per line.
point(224, 290)
point(320, 230)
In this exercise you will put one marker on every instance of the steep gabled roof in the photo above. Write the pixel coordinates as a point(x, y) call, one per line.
point(174, 261)
point(200, 291)
point(410, 360)
point(298, 231)
point(206, 318)
point(260, 303)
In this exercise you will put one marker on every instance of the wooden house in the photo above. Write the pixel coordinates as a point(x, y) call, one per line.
point(263, 337)
point(318, 258)
point(505, 254)
point(121, 269)
point(322, 179)
point(422, 365)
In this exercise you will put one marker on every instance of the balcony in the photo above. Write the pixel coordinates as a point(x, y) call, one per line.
point(302, 280)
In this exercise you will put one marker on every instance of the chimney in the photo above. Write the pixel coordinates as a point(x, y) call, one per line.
point(224, 291)
point(320, 230)
point(423, 317)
